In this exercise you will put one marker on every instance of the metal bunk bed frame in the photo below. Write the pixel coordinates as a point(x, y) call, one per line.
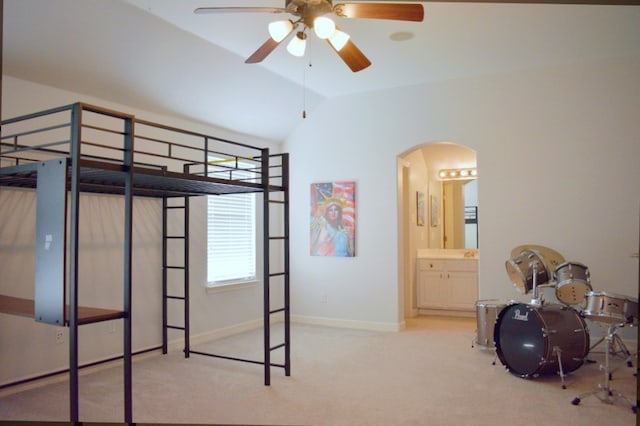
point(142, 165)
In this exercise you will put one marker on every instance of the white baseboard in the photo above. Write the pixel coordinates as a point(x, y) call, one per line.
point(447, 312)
point(342, 323)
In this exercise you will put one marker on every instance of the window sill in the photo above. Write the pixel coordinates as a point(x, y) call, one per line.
point(231, 287)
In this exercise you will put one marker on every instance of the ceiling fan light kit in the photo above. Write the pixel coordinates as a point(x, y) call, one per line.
point(324, 27)
point(312, 14)
point(298, 44)
point(279, 30)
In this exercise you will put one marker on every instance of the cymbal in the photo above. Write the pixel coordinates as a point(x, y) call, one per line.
point(552, 257)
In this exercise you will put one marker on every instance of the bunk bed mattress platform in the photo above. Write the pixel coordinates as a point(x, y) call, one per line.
point(105, 177)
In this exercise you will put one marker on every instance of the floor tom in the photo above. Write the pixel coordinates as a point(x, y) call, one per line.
point(487, 312)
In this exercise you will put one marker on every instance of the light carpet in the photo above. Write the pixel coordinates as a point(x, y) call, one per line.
point(427, 374)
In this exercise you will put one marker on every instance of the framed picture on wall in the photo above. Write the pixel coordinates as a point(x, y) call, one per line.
point(421, 209)
point(434, 211)
point(333, 219)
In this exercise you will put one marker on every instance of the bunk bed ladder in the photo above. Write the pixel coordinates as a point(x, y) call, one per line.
point(277, 196)
point(171, 286)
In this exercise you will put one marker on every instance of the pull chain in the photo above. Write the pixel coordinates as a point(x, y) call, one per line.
point(304, 85)
point(304, 93)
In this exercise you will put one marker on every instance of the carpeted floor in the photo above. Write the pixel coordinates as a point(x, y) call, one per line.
point(428, 374)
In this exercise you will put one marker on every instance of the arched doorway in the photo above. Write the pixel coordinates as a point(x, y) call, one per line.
point(436, 211)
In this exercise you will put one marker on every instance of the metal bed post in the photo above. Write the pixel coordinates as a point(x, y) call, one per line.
point(76, 129)
point(128, 231)
point(165, 319)
point(187, 344)
point(266, 276)
point(287, 312)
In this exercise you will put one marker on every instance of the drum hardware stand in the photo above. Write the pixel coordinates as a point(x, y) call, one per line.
point(558, 351)
point(611, 343)
point(495, 356)
point(535, 301)
point(603, 391)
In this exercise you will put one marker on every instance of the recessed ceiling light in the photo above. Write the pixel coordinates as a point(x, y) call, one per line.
point(401, 36)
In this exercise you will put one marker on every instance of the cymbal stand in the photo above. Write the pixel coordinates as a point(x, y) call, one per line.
point(603, 391)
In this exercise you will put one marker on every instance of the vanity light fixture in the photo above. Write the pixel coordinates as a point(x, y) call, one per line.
point(458, 174)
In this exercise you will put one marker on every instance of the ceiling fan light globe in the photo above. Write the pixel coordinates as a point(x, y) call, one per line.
point(278, 30)
point(338, 39)
point(324, 27)
point(297, 45)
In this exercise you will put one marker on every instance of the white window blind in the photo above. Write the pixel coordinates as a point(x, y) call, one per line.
point(231, 239)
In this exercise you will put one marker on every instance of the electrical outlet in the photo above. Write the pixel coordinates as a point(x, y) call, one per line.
point(59, 336)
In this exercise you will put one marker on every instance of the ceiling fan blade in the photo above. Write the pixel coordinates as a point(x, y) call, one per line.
point(262, 52)
point(394, 11)
point(266, 48)
point(352, 56)
point(210, 10)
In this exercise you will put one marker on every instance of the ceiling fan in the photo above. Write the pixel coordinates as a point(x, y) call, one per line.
point(312, 14)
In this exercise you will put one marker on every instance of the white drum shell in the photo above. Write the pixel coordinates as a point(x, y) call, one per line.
point(487, 312)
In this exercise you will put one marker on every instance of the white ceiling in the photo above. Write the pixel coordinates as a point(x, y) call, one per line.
point(159, 55)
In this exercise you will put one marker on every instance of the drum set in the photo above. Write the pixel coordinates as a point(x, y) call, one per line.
point(537, 338)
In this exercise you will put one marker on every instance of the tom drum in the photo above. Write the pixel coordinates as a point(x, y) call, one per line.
point(529, 339)
point(573, 282)
point(524, 267)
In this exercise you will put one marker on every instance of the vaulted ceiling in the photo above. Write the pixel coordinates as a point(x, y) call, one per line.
point(161, 56)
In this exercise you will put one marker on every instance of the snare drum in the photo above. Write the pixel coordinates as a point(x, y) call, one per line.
point(611, 308)
point(521, 270)
point(529, 339)
point(573, 282)
point(487, 312)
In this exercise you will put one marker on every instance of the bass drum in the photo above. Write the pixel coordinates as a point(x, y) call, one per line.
point(529, 338)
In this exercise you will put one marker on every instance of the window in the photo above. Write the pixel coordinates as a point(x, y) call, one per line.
point(231, 239)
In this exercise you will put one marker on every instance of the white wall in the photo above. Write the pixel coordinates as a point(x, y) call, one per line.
point(557, 151)
point(30, 347)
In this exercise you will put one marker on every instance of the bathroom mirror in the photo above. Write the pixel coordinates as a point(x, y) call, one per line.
point(451, 178)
